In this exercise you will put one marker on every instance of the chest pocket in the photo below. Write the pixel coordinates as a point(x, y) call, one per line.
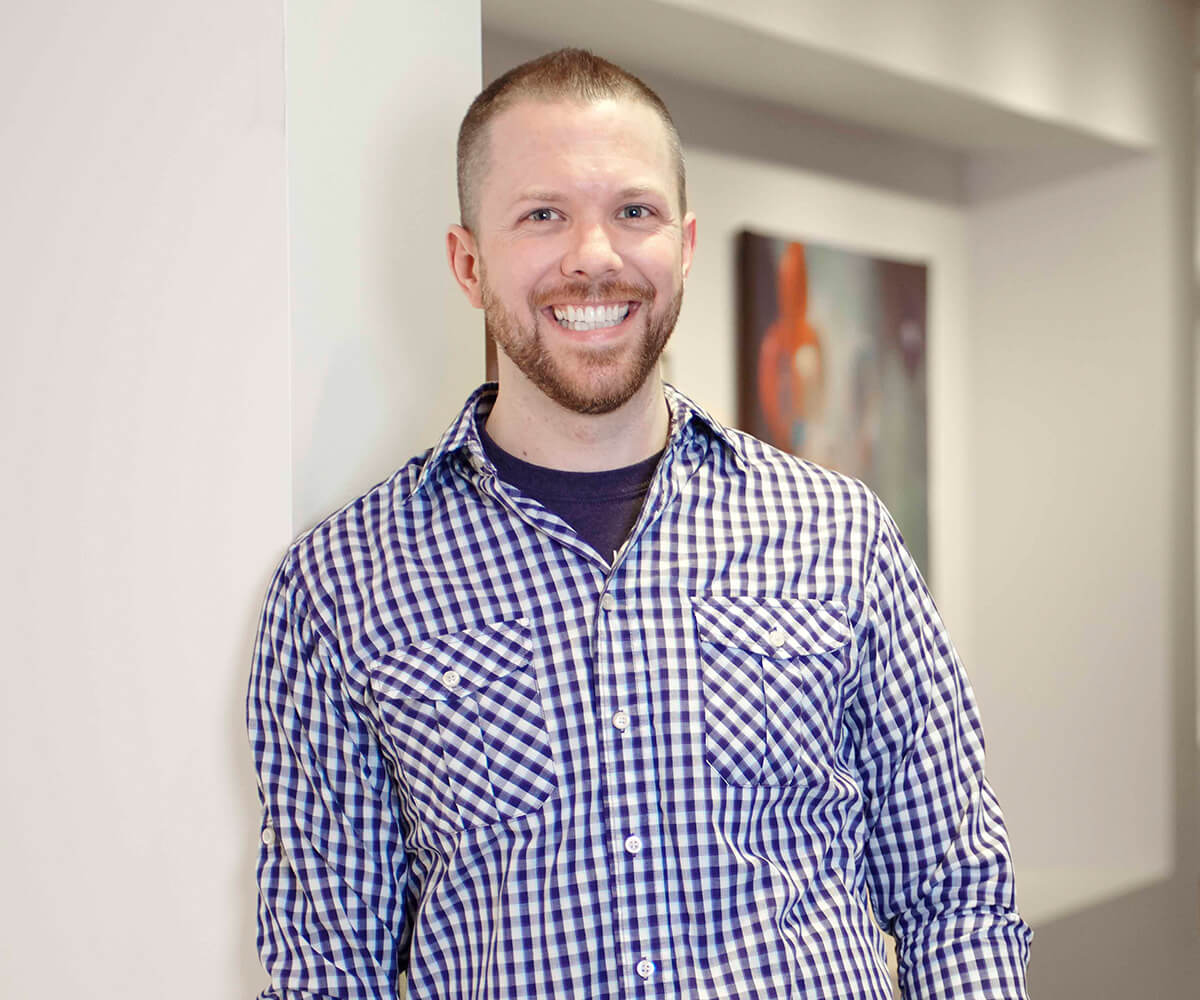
point(773, 675)
point(467, 723)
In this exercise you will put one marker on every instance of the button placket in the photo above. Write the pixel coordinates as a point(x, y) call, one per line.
point(623, 692)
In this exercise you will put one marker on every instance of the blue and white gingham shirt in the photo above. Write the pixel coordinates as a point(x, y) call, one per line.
point(489, 758)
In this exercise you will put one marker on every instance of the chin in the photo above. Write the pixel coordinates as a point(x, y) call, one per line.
point(596, 396)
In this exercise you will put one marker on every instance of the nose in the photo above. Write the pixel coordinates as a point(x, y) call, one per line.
point(591, 253)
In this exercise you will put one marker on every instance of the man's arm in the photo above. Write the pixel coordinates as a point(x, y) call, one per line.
point(331, 868)
point(939, 866)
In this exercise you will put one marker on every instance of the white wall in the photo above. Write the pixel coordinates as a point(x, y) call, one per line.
point(1074, 421)
point(1083, 64)
point(144, 407)
point(385, 347)
point(168, 426)
point(1083, 520)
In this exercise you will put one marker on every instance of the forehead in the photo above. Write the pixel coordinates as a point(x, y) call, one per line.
point(549, 143)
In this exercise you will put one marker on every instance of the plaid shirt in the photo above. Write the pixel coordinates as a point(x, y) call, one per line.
point(490, 759)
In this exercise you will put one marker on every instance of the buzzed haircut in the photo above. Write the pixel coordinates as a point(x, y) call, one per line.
point(562, 75)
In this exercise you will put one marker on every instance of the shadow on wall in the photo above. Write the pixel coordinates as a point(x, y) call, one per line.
point(243, 892)
point(1091, 950)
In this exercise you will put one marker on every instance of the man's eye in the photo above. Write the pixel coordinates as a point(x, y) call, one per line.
point(635, 212)
point(542, 215)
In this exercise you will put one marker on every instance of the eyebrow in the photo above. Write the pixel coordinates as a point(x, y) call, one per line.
point(538, 194)
point(643, 192)
point(548, 195)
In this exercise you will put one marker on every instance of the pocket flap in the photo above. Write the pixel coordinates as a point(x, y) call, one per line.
point(776, 627)
point(454, 664)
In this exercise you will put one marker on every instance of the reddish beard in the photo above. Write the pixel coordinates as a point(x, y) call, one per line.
point(593, 380)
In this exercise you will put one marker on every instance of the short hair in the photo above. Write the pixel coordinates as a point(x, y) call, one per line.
point(562, 75)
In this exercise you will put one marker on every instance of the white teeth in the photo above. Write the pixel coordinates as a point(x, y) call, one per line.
point(583, 318)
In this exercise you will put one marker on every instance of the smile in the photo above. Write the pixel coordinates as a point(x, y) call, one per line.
point(583, 318)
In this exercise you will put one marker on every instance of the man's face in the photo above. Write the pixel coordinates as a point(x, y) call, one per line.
point(577, 211)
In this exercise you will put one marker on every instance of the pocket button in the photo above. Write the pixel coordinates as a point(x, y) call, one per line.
point(451, 679)
point(778, 638)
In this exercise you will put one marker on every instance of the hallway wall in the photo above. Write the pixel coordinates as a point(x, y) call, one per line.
point(145, 445)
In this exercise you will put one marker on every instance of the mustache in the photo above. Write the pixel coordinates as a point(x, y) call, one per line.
point(584, 291)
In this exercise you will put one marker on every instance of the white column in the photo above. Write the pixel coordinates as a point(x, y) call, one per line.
point(145, 455)
point(384, 347)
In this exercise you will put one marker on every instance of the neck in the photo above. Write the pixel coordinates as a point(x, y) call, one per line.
point(542, 432)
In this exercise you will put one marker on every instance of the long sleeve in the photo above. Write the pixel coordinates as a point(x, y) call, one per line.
point(939, 867)
point(331, 869)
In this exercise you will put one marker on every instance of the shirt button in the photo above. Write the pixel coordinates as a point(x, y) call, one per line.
point(645, 968)
point(620, 721)
point(608, 602)
point(633, 844)
point(451, 679)
point(268, 835)
point(778, 638)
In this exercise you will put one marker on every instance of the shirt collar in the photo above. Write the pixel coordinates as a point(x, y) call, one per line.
point(686, 415)
point(461, 440)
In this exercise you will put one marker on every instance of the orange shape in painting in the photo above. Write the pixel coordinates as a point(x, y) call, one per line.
point(791, 364)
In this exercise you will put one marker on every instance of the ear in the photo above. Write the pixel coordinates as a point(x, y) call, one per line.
point(689, 241)
point(463, 256)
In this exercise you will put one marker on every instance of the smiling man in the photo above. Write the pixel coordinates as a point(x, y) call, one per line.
point(576, 248)
point(599, 698)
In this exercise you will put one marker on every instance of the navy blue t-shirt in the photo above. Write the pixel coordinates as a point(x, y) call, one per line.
point(602, 507)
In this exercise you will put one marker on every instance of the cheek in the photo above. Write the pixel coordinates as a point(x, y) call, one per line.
point(665, 256)
point(668, 271)
point(526, 274)
point(508, 288)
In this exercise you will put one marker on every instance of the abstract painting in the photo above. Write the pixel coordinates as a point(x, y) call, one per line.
point(832, 366)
